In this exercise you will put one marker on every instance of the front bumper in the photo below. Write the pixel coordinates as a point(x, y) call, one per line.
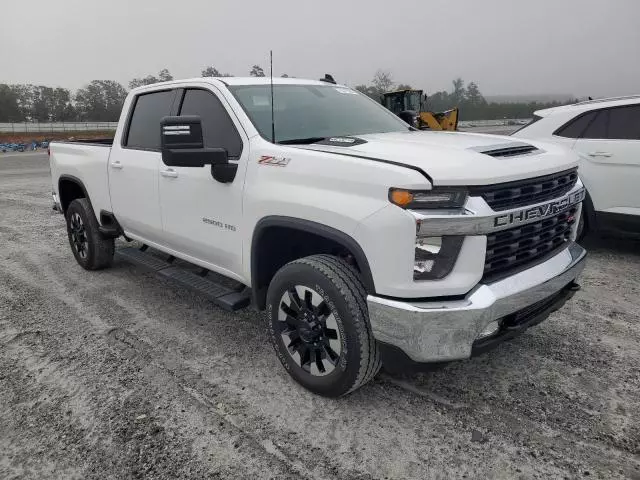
point(440, 331)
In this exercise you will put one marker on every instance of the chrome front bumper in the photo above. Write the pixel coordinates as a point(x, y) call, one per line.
point(438, 331)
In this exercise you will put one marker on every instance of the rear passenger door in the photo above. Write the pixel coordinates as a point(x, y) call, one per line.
point(610, 148)
point(201, 216)
point(133, 167)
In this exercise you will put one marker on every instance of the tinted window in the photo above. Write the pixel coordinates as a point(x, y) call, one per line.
point(144, 129)
point(598, 128)
point(575, 127)
point(217, 128)
point(624, 123)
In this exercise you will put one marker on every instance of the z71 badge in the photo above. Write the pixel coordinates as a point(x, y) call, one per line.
point(274, 161)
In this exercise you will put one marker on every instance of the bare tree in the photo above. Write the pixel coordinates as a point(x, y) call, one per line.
point(382, 81)
point(458, 90)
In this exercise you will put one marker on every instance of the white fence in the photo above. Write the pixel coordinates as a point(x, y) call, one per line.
point(41, 127)
point(37, 127)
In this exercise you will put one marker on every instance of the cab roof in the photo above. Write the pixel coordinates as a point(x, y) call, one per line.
point(238, 81)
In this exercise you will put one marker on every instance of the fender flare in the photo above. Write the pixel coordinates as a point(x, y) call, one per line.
point(75, 180)
point(319, 229)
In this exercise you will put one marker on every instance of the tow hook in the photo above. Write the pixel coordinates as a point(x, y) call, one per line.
point(574, 287)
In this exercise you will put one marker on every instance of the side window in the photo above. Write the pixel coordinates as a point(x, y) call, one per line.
point(575, 127)
point(598, 128)
point(624, 123)
point(217, 128)
point(144, 126)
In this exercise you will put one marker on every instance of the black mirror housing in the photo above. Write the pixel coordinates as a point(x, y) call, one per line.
point(181, 132)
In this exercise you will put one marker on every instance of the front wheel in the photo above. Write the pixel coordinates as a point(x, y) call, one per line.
point(319, 325)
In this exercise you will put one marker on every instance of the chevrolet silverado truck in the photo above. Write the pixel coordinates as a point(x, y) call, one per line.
point(364, 240)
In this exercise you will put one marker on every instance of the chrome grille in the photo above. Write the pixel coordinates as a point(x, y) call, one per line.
point(519, 247)
point(509, 195)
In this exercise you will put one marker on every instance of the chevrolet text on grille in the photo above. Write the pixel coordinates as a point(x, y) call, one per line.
point(472, 223)
point(539, 211)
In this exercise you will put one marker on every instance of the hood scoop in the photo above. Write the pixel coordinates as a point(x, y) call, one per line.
point(513, 149)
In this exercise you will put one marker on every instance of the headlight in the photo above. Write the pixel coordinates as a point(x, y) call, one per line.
point(435, 256)
point(426, 199)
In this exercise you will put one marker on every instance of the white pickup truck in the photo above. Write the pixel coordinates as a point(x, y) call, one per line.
point(365, 240)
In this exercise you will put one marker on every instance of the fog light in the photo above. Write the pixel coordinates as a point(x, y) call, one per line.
point(491, 329)
point(435, 256)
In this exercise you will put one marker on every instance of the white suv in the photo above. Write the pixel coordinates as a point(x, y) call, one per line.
point(606, 135)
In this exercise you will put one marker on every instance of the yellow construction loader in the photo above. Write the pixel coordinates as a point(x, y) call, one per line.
point(409, 105)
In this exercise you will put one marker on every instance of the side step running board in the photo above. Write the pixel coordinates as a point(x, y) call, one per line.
point(228, 298)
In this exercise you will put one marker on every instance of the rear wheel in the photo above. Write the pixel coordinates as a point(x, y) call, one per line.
point(91, 250)
point(319, 325)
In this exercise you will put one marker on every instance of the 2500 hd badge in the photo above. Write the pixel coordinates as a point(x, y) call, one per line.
point(540, 211)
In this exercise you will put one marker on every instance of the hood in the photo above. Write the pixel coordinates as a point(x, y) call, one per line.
point(456, 158)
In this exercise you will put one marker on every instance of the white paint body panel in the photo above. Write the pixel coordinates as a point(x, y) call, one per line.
point(346, 193)
point(609, 169)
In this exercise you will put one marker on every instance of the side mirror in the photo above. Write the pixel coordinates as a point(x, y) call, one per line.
point(183, 146)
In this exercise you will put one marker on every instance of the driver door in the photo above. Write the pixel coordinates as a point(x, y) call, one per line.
point(201, 217)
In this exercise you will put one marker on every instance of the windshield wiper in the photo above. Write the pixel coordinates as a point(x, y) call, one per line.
point(301, 141)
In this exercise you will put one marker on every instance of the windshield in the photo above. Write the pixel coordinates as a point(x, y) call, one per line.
point(313, 112)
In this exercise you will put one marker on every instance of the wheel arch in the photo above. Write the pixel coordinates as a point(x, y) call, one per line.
point(289, 238)
point(69, 189)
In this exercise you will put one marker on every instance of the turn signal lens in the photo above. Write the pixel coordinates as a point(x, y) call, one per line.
point(402, 198)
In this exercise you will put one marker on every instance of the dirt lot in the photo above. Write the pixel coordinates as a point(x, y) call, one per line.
point(117, 374)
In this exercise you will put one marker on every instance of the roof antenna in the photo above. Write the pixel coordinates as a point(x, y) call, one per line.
point(273, 122)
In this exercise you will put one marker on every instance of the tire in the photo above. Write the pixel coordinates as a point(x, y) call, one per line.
point(91, 250)
point(319, 326)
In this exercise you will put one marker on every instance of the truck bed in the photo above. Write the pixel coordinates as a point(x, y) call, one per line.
point(84, 160)
point(102, 142)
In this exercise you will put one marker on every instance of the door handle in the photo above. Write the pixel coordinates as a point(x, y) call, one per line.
point(600, 154)
point(169, 172)
point(116, 164)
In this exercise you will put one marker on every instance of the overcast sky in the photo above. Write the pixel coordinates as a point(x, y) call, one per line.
point(583, 47)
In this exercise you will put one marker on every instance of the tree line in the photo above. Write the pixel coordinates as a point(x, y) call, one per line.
point(472, 104)
point(101, 100)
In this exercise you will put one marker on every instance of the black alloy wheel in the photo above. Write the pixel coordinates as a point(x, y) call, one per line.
point(309, 330)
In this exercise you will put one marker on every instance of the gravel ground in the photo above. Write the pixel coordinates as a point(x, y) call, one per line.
point(117, 374)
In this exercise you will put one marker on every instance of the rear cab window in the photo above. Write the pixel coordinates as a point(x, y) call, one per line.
point(144, 122)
